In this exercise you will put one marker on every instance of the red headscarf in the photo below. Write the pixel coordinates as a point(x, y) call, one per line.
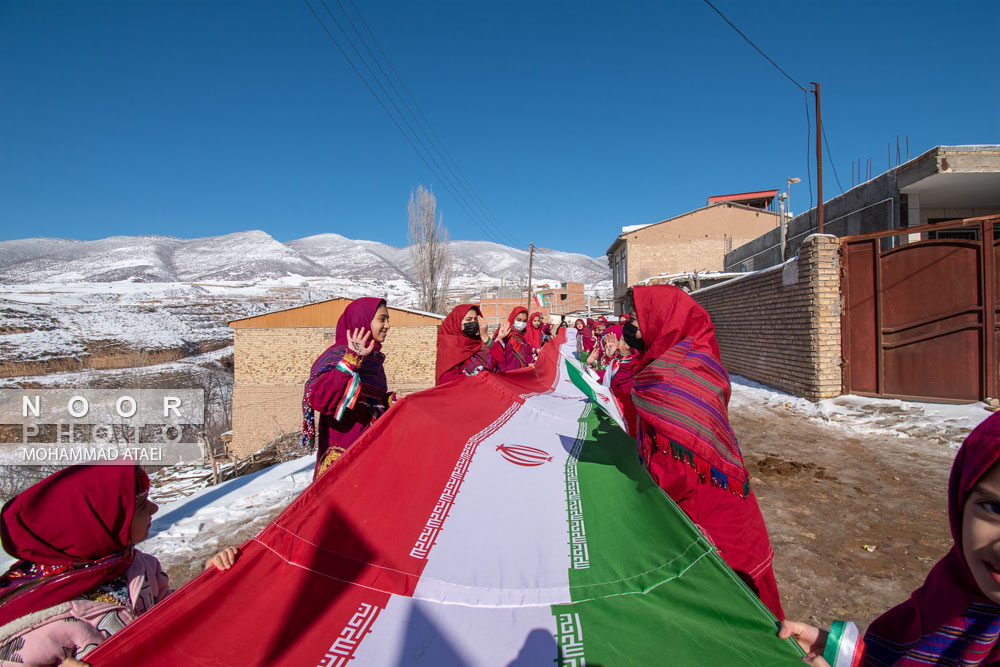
point(453, 346)
point(588, 335)
point(533, 335)
point(667, 315)
point(680, 388)
point(517, 338)
point(922, 628)
point(71, 533)
point(623, 318)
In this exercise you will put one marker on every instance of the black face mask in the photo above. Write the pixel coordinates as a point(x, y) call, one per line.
point(629, 331)
point(471, 329)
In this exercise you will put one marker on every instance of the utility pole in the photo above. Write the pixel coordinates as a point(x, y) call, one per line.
point(819, 160)
point(531, 258)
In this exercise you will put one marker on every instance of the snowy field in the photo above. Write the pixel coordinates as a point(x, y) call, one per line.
point(944, 423)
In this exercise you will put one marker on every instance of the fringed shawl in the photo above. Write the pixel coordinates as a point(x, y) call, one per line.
point(947, 620)
point(681, 390)
point(370, 384)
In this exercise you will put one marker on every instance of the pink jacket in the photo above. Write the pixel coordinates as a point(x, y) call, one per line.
point(73, 629)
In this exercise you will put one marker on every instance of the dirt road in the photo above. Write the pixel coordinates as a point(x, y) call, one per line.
point(827, 493)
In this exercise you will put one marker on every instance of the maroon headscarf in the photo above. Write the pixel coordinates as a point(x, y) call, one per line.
point(923, 628)
point(453, 346)
point(374, 385)
point(71, 533)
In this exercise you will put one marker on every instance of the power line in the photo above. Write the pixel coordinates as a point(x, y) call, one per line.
point(829, 155)
point(412, 137)
point(805, 92)
point(748, 40)
point(436, 142)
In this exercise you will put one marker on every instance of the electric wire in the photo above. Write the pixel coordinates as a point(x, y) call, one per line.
point(436, 168)
point(805, 92)
point(436, 142)
point(412, 138)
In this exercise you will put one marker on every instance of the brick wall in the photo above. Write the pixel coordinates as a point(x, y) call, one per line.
point(272, 365)
point(781, 326)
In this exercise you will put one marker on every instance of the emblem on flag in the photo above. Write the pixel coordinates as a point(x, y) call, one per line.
point(523, 455)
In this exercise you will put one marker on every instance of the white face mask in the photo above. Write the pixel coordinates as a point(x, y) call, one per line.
point(520, 326)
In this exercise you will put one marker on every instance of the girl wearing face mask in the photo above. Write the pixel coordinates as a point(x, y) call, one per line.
point(680, 391)
point(347, 384)
point(517, 351)
point(464, 346)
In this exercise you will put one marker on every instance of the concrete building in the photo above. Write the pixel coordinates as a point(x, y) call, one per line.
point(694, 241)
point(497, 305)
point(273, 354)
point(945, 183)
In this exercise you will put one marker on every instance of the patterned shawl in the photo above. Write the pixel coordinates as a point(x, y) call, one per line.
point(372, 383)
point(948, 620)
point(517, 341)
point(681, 390)
point(71, 533)
point(454, 347)
point(588, 335)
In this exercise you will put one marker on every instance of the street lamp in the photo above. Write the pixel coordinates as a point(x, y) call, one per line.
point(785, 205)
point(788, 192)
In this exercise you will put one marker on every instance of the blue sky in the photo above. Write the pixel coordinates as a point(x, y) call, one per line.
point(569, 119)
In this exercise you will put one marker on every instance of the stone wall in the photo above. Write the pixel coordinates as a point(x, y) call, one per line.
point(272, 365)
point(781, 326)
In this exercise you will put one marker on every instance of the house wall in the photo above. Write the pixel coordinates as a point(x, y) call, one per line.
point(271, 367)
point(781, 326)
point(696, 241)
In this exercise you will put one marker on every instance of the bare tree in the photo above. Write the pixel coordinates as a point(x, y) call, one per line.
point(429, 250)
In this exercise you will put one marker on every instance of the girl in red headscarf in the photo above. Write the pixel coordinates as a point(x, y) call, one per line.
point(681, 395)
point(79, 577)
point(347, 383)
point(585, 341)
point(517, 351)
point(464, 346)
point(534, 334)
point(954, 618)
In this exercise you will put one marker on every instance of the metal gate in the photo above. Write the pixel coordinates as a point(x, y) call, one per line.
point(920, 318)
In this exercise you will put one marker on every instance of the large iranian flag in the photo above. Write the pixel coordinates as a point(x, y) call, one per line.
point(499, 520)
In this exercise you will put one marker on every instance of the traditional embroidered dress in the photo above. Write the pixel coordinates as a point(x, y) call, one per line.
point(517, 352)
point(948, 620)
point(349, 391)
point(585, 340)
point(459, 356)
point(681, 395)
point(78, 578)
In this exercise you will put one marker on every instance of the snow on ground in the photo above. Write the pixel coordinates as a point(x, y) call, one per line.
point(209, 517)
point(948, 424)
point(93, 377)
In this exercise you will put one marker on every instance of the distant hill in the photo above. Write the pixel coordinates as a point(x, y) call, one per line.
point(255, 255)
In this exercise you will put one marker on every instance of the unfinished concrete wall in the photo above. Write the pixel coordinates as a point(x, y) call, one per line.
point(271, 366)
point(781, 326)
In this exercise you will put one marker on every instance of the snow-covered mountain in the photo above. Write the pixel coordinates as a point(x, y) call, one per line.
point(255, 255)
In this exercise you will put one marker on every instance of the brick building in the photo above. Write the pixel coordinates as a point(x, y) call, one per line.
point(274, 352)
point(695, 241)
point(568, 297)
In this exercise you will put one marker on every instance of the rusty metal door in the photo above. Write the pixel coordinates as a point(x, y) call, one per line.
point(920, 316)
